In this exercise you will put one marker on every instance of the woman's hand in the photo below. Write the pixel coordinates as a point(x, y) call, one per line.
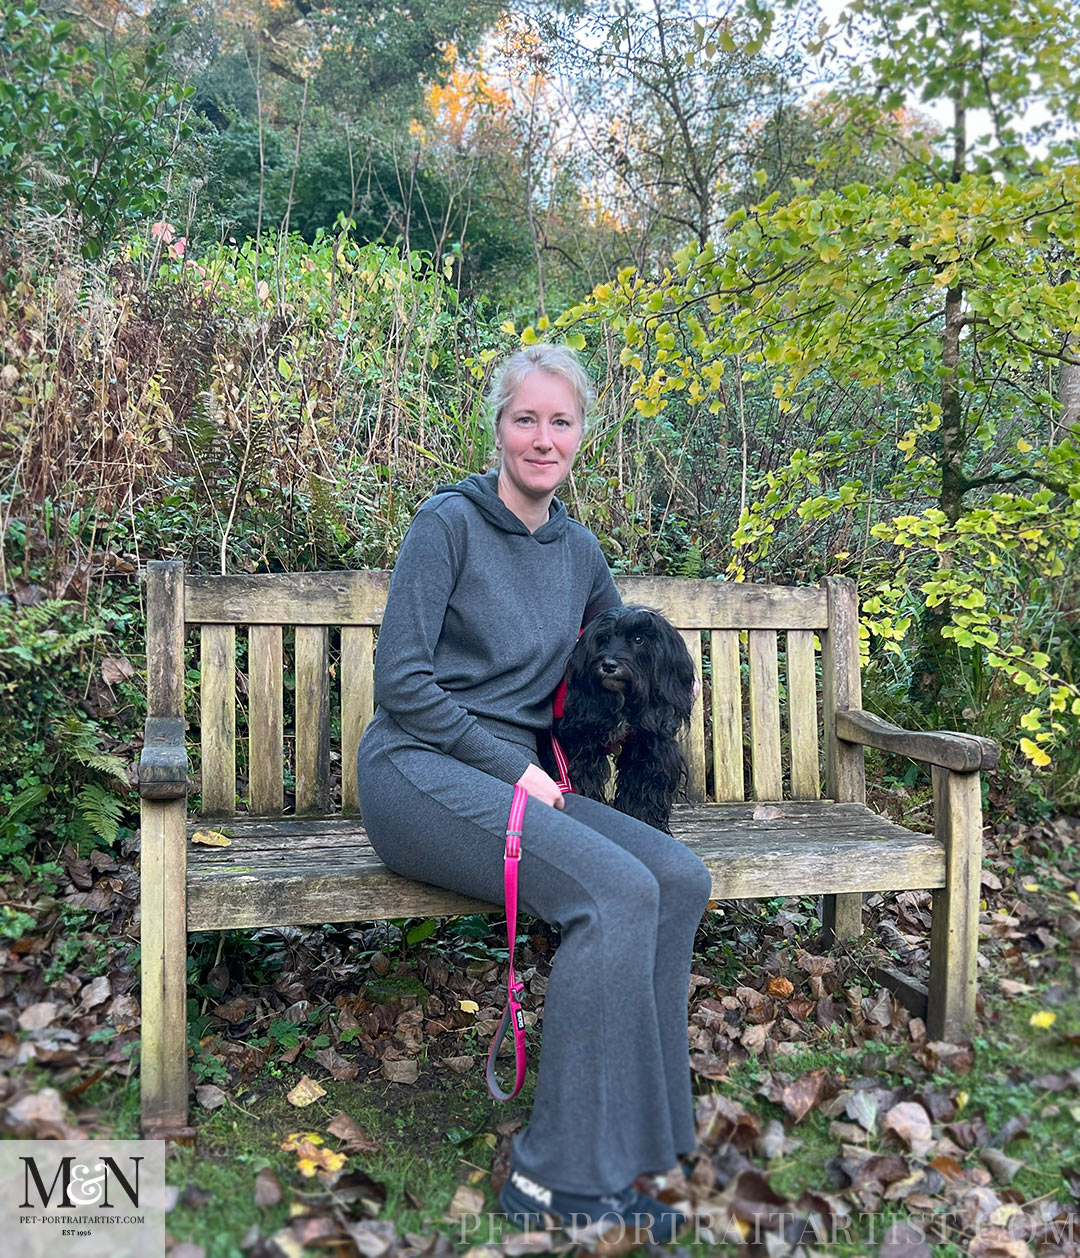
point(541, 787)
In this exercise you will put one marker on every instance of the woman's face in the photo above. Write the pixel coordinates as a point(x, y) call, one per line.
point(539, 434)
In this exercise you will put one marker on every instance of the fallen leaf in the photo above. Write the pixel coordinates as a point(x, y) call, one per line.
point(116, 668)
point(267, 1188)
point(306, 1091)
point(801, 1096)
point(404, 1071)
point(911, 1124)
point(352, 1134)
point(767, 812)
point(35, 1017)
point(96, 992)
point(210, 1096)
point(211, 838)
point(466, 1201)
point(903, 1240)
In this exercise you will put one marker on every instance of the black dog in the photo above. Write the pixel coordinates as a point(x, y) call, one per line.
point(629, 689)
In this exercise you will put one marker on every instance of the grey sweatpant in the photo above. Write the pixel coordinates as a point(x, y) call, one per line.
point(613, 1096)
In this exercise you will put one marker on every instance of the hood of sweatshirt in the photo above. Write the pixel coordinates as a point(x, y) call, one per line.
point(481, 488)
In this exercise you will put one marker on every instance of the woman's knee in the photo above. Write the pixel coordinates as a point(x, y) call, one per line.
point(691, 880)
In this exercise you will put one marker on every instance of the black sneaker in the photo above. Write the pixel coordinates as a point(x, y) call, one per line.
point(530, 1206)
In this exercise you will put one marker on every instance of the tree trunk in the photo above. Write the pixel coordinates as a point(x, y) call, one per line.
point(934, 657)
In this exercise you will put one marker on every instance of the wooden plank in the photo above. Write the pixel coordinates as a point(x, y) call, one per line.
point(841, 686)
point(765, 716)
point(312, 720)
point(693, 739)
point(845, 772)
point(908, 991)
point(217, 728)
point(802, 715)
point(727, 735)
point(163, 961)
point(358, 598)
point(296, 871)
point(287, 598)
point(954, 910)
point(357, 704)
point(963, 753)
point(266, 721)
point(165, 637)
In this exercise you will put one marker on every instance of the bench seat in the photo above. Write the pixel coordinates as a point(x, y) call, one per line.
point(281, 871)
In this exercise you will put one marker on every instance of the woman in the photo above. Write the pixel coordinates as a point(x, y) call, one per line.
point(492, 583)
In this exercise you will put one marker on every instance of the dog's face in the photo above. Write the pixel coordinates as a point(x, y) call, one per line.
point(633, 652)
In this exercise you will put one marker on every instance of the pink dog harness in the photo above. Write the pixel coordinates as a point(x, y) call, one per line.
point(513, 1014)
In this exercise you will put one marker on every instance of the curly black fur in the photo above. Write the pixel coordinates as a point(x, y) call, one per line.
point(629, 689)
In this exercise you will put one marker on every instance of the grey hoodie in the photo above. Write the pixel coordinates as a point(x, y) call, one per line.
point(479, 622)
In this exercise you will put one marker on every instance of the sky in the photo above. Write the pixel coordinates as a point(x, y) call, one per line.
point(978, 121)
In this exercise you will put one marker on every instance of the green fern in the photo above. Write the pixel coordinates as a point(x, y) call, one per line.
point(28, 638)
point(78, 740)
point(689, 564)
point(100, 812)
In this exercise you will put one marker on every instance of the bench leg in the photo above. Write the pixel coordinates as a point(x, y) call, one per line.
point(841, 917)
point(163, 939)
point(954, 928)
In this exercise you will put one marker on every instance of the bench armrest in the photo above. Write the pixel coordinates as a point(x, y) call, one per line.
point(963, 753)
point(163, 765)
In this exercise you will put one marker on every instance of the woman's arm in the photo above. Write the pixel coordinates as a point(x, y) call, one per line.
point(405, 685)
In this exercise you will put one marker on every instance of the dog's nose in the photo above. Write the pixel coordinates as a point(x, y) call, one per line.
point(608, 666)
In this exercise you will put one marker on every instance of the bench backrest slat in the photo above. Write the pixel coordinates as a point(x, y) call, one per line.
point(358, 598)
point(757, 660)
point(217, 716)
point(312, 720)
point(266, 720)
point(357, 703)
point(803, 715)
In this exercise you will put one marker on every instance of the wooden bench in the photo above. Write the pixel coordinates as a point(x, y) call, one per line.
point(310, 866)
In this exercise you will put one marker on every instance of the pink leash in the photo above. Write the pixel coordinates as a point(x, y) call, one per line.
point(513, 1014)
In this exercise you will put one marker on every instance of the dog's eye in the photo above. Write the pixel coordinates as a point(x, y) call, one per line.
point(638, 639)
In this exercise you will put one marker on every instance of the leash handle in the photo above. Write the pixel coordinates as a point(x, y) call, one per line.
point(513, 1014)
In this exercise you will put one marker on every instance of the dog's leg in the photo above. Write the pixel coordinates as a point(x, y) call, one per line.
point(650, 770)
point(590, 769)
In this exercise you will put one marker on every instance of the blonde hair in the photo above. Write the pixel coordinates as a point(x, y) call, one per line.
point(556, 360)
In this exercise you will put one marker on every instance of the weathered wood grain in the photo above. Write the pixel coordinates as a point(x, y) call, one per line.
point(323, 869)
point(358, 598)
point(217, 718)
point(693, 738)
point(845, 772)
point(964, 753)
point(163, 962)
point(357, 704)
point(765, 764)
point(727, 735)
point(954, 909)
point(312, 720)
point(802, 715)
point(266, 720)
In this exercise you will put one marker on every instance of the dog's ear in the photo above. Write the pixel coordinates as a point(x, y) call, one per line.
point(672, 678)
